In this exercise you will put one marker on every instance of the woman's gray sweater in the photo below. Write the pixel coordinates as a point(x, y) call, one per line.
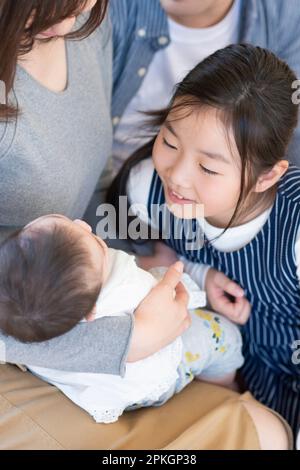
point(51, 159)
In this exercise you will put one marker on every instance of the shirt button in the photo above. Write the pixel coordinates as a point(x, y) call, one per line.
point(141, 72)
point(115, 120)
point(141, 32)
point(163, 40)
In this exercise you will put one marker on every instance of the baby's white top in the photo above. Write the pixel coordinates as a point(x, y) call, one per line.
point(106, 396)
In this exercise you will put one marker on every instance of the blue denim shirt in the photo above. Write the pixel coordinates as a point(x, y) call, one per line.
point(140, 29)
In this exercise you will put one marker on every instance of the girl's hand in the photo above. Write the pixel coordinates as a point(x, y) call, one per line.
point(163, 256)
point(219, 288)
point(160, 318)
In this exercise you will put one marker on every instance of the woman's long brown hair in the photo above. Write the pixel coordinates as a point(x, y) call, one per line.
point(17, 38)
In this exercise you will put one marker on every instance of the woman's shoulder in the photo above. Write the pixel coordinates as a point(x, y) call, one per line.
point(7, 134)
point(101, 35)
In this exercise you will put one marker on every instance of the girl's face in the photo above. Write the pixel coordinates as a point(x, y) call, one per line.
point(65, 26)
point(199, 166)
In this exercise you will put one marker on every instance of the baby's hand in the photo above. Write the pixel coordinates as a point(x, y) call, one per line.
point(226, 297)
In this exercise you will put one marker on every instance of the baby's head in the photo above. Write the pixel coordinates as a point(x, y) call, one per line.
point(51, 274)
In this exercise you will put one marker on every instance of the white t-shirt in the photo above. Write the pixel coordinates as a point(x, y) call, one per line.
point(188, 47)
point(106, 396)
point(233, 239)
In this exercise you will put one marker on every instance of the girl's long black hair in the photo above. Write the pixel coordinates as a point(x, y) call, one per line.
point(252, 90)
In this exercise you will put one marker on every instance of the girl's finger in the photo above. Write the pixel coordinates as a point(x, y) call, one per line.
point(228, 286)
point(232, 309)
point(240, 311)
point(245, 312)
point(224, 306)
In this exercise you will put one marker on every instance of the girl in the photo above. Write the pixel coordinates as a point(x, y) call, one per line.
point(221, 147)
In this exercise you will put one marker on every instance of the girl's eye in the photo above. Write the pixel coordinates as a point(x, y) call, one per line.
point(209, 172)
point(169, 145)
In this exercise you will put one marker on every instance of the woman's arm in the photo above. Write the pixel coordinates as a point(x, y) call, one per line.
point(99, 346)
point(106, 344)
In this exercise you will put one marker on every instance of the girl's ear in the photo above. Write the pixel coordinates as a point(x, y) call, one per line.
point(268, 179)
point(91, 316)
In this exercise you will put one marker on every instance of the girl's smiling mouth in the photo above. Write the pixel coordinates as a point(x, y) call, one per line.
point(177, 198)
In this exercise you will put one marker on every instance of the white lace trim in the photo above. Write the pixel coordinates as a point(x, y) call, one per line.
point(105, 397)
point(111, 414)
point(106, 416)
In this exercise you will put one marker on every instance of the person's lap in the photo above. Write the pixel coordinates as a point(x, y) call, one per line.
point(35, 415)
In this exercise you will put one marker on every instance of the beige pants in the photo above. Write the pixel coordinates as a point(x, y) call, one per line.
point(35, 415)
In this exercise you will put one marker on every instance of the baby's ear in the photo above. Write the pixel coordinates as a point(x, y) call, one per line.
point(91, 316)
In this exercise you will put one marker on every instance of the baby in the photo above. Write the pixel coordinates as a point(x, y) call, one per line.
point(56, 273)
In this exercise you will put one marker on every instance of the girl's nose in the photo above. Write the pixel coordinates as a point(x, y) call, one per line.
point(179, 174)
